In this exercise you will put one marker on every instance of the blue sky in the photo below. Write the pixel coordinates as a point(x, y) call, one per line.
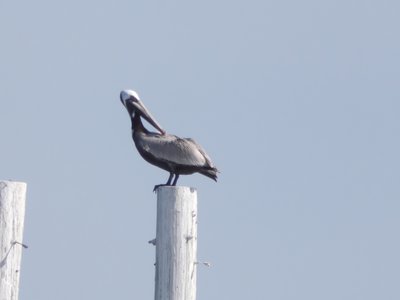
point(297, 103)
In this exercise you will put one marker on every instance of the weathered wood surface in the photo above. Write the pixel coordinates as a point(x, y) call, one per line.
point(176, 243)
point(12, 213)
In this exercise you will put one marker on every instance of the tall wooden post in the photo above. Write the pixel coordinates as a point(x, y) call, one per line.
point(176, 243)
point(12, 213)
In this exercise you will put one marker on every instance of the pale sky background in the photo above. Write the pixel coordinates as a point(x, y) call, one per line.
point(297, 102)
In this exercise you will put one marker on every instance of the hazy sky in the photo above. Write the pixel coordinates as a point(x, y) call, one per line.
point(297, 103)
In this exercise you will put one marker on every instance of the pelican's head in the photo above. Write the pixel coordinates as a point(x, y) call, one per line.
point(130, 99)
point(126, 94)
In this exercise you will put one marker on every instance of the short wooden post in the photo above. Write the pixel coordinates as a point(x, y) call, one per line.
point(176, 243)
point(12, 213)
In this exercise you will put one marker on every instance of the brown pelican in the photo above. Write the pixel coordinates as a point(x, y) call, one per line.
point(169, 152)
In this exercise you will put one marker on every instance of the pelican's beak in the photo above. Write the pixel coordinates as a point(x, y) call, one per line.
point(146, 114)
point(133, 104)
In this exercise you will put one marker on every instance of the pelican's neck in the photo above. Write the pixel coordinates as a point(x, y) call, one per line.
point(137, 125)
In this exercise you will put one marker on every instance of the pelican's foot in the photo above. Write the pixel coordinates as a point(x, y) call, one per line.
point(158, 185)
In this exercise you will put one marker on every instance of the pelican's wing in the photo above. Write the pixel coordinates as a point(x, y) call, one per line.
point(173, 149)
point(202, 151)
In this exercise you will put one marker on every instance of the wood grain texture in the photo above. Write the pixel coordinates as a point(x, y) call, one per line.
point(12, 213)
point(176, 243)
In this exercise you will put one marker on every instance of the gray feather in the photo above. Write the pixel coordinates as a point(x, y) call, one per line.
point(175, 150)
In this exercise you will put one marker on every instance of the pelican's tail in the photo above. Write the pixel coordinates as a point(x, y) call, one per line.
point(210, 172)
